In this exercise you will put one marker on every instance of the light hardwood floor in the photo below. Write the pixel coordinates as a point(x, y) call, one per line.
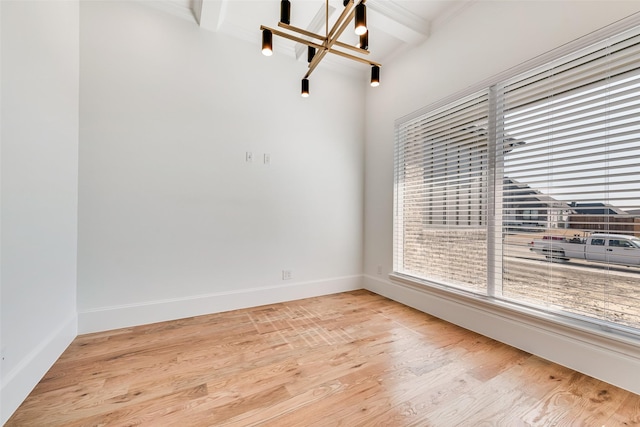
point(351, 359)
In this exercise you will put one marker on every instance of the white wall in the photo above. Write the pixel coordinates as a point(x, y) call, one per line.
point(173, 221)
point(485, 39)
point(39, 191)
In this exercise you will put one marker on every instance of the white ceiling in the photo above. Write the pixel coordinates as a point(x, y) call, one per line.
point(394, 25)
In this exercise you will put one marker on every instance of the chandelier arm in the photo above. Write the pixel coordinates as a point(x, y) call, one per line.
point(314, 63)
point(319, 37)
point(331, 41)
point(348, 11)
point(326, 19)
point(300, 31)
point(322, 49)
point(334, 38)
point(355, 58)
point(291, 37)
point(317, 58)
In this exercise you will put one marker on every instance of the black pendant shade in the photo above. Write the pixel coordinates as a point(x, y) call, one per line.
point(364, 41)
point(375, 76)
point(285, 11)
point(267, 43)
point(361, 19)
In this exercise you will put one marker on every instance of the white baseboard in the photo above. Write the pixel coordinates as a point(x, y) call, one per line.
point(115, 317)
point(612, 359)
point(21, 380)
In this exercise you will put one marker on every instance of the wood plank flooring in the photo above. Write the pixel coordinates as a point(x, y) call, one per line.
point(350, 359)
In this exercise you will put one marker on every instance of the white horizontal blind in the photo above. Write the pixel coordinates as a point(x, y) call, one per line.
point(441, 194)
point(565, 166)
point(574, 170)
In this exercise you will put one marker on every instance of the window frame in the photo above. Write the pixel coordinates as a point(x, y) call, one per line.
point(614, 335)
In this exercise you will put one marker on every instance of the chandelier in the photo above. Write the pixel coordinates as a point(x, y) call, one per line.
point(318, 46)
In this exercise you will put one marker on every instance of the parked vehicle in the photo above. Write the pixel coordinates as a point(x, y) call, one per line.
point(599, 247)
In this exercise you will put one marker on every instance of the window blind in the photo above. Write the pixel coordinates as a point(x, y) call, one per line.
point(574, 173)
point(441, 194)
point(545, 158)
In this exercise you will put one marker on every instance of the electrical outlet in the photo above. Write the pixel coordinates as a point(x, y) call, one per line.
point(249, 157)
point(380, 270)
point(267, 159)
point(287, 275)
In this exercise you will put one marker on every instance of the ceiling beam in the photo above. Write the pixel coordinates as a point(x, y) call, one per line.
point(210, 13)
point(395, 20)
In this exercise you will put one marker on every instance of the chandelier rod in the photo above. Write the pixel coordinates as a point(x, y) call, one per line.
point(319, 37)
point(341, 25)
point(348, 10)
point(319, 46)
point(326, 19)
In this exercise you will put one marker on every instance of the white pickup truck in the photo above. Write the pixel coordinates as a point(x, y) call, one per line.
point(611, 248)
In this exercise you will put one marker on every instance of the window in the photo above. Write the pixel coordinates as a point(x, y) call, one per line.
point(441, 191)
point(548, 155)
point(620, 243)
